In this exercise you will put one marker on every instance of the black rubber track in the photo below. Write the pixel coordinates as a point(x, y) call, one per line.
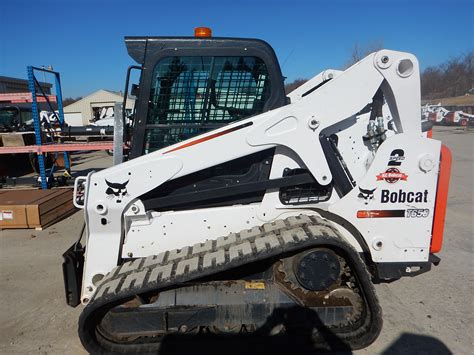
point(174, 268)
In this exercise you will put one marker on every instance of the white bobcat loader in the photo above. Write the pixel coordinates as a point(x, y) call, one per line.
point(242, 211)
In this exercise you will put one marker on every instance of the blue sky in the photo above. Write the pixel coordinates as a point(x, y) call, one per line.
point(83, 40)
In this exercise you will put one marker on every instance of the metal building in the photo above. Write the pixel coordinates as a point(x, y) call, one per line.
point(89, 108)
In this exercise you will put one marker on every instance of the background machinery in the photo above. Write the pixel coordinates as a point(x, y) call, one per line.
point(434, 113)
point(439, 115)
point(243, 211)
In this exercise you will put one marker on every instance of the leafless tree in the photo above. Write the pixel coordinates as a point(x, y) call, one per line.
point(70, 100)
point(294, 84)
point(359, 51)
point(452, 78)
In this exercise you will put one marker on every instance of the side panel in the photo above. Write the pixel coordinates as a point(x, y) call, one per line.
point(393, 205)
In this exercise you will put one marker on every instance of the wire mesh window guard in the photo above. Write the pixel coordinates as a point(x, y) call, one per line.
point(192, 95)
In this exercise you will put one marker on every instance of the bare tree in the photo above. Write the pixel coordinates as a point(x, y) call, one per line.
point(452, 78)
point(359, 51)
point(70, 100)
point(294, 84)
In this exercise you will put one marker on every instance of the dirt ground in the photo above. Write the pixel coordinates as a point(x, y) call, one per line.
point(431, 313)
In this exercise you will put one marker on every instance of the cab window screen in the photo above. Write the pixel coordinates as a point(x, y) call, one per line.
point(207, 89)
point(196, 94)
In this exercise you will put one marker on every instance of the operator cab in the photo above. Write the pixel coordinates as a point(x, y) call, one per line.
point(191, 85)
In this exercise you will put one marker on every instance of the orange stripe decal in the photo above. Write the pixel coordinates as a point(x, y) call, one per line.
point(441, 199)
point(380, 213)
point(209, 137)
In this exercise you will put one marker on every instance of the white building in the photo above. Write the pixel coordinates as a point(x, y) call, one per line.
point(86, 110)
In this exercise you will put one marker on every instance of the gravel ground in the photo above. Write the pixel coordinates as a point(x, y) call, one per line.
point(431, 313)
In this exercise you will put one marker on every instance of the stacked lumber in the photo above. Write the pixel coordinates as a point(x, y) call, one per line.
point(33, 208)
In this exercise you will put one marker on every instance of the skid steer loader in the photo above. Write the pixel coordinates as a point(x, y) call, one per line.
point(277, 220)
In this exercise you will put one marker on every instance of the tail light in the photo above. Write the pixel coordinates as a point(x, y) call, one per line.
point(441, 200)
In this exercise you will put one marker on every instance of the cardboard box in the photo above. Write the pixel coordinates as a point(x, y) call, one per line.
point(34, 208)
point(17, 139)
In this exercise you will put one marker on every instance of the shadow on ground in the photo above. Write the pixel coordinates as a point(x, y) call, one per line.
point(292, 345)
point(299, 340)
point(417, 344)
point(305, 333)
point(85, 172)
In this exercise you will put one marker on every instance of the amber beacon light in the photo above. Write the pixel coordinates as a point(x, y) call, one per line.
point(202, 32)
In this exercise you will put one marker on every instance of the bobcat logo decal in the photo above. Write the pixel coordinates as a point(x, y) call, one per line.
point(366, 195)
point(116, 190)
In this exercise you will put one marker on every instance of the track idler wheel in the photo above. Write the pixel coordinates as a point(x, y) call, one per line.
point(321, 280)
point(317, 270)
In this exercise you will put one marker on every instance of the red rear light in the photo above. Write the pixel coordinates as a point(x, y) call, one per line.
point(441, 200)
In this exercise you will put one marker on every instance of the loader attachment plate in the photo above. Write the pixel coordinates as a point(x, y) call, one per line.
point(73, 266)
